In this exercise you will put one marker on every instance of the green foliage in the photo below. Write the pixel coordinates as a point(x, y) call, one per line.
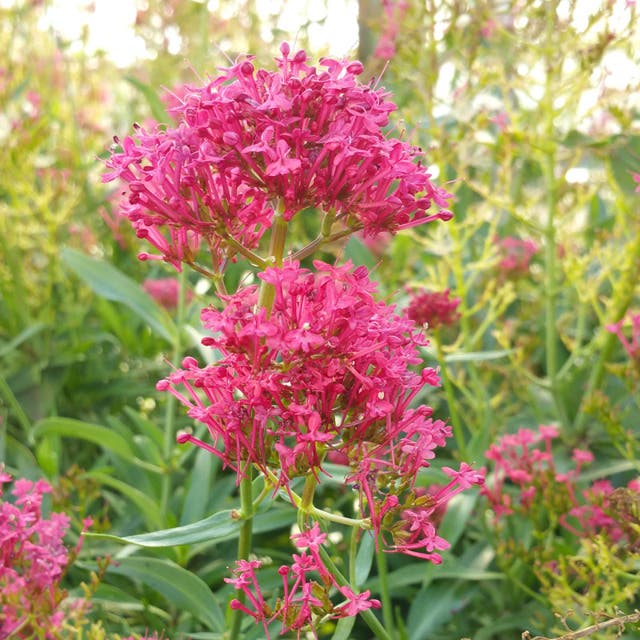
point(521, 112)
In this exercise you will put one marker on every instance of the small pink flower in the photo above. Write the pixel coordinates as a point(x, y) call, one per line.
point(501, 120)
point(356, 602)
point(312, 538)
point(433, 309)
point(631, 344)
point(165, 291)
point(516, 255)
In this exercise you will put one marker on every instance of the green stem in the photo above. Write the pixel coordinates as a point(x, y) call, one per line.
point(322, 240)
point(451, 401)
point(551, 186)
point(244, 545)
point(353, 554)
point(622, 299)
point(252, 257)
point(14, 405)
point(170, 408)
point(368, 616)
point(310, 484)
point(266, 297)
point(385, 597)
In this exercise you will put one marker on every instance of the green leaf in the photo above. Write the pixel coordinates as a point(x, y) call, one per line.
point(23, 336)
point(200, 487)
point(623, 156)
point(343, 628)
point(48, 455)
point(356, 251)
point(156, 105)
point(70, 428)
point(149, 508)
point(457, 516)
point(215, 528)
point(431, 608)
point(478, 356)
point(364, 557)
point(618, 466)
point(112, 284)
point(183, 589)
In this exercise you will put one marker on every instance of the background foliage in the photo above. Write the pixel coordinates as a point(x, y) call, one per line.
point(528, 111)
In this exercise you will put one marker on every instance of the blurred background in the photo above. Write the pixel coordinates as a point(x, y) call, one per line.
point(528, 111)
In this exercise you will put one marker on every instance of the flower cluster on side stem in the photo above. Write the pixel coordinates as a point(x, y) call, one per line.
point(525, 461)
point(307, 585)
point(433, 308)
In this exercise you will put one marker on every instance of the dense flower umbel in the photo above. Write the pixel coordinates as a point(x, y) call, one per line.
point(326, 371)
point(33, 560)
point(516, 255)
point(300, 137)
point(307, 585)
point(433, 308)
point(525, 461)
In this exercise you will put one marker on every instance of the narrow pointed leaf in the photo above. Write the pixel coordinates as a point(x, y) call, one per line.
point(112, 284)
point(70, 428)
point(183, 589)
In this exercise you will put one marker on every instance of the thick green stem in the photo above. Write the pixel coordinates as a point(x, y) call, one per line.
point(170, 408)
point(244, 545)
point(266, 297)
point(385, 596)
point(276, 251)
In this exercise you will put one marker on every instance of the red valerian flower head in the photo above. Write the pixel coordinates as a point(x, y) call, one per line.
point(253, 141)
point(328, 370)
point(33, 561)
point(433, 308)
point(516, 255)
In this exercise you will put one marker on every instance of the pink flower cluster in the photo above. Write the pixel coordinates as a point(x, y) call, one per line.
point(393, 13)
point(525, 461)
point(327, 371)
point(33, 560)
point(631, 346)
point(433, 308)
point(307, 585)
point(516, 255)
point(165, 291)
point(255, 142)
point(600, 514)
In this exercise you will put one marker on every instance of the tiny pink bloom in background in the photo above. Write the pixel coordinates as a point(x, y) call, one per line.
point(393, 14)
point(516, 255)
point(165, 291)
point(501, 120)
point(433, 308)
